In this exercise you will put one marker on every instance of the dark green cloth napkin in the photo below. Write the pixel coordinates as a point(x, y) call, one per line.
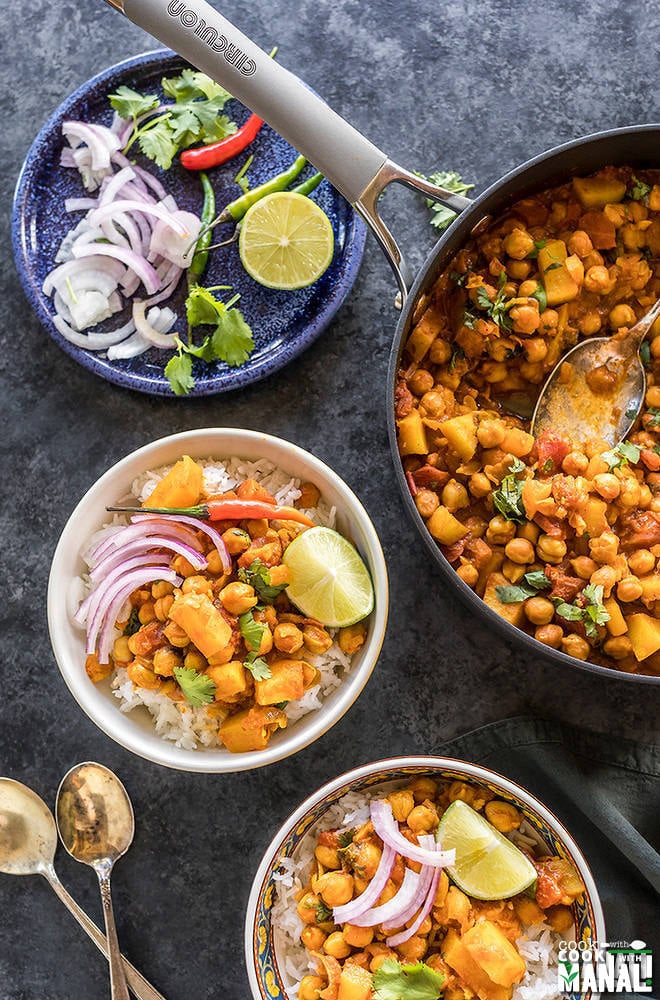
point(606, 791)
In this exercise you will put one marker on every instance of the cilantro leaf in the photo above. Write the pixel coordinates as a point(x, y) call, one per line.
point(203, 351)
point(198, 689)
point(345, 838)
point(497, 309)
point(257, 575)
point(178, 372)
point(623, 453)
point(587, 608)
point(655, 416)
point(322, 912)
point(639, 190)
point(541, 297)
point(645, 353)
point(393, 981)
point(251, 630)
point(232, 341)
point(201, 307)
point(451, 181)
point(193, 84)
point(159, 144)
point(257, 667)
point(529, 586)
point(129, 104)
point(133, 624)
point(508, 498)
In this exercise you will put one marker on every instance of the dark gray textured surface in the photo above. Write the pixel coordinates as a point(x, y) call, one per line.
point(476, 87)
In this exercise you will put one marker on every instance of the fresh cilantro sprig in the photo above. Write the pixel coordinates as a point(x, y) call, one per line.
point(497, 309)
point(508, 498)
point(251, 630)
point(645, 353)
point(394, 981)
point(639, 190)
point(230, 339)
point(257, 667)
point(655, 416)
point(623, 453)
point(257, 575)
point(195, 116)
point(529, 586)
point(133, 624)
point(451, 181)
point(587, 608)
point(198, 689)
point(323, 913)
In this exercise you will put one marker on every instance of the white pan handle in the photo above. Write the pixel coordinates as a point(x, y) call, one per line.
point(356, 168)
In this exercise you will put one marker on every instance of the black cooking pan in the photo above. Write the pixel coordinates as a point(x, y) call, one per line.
point(361, 171)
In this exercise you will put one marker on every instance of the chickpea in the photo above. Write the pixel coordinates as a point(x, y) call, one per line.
point(616, 214)
point(335, 888)
point(593, 259)
point(236, 540)
point(237, 598)
point(551, 550)
point(412, 950)
point(539, 610)
point(653, 396)
point(583, 567)
point(597, 280)
point(590, 323)
point(162, 607)
point(358, 937)
point(535, 349)
point(622, 315)
point(439, 352)
point(518, 244)
point(455, 496)
point(142, 676)
point(529, 531)
point(181, 566)
point(307, 907)
point(313, 937)
point(316, 639)
point(147, 613)
point(194, 660)
point(423, 819)
point(121, 651)
point(352, 638)
point(605, 577)
point(560, 918)
point(287, 637)
point(175, 635)
point(641, 562)
point(160, 589)
point(491, 433)
point(480, 485)
point(469, 574)
point(96, 671)
point(618, 647)
point(196, 585)
point(503, 816)
point(420, 382)
point(629, 589)
point(575, 645)
point(605, 548)
point(549, 320)
point(500, 531)
point(165, 660)
point(580, 243)
point(427, 502)
point(575, 464)
point(434, 403)
point(607, 485)
point(310, 987)
point(494, 371)
point(214, 564)
point(403, 803)
point(379, 958)
point(266, 642)
point(519, 270)
point(526, 318)
point(549, 635)
point(423, 788)
point(519, 550)
point(630, 493)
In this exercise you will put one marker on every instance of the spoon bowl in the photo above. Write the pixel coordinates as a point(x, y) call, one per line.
point(597, 389)
point(96, 825)
point(28, 835)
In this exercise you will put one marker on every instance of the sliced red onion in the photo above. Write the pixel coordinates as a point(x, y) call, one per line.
point(179, 222)
point(108, 626)
point(389, 912)
point(348, 913)
point(409, 932)
point(133, 261)
point(157, 525)
point(115, 595)
point(425, 881)
point(72, 267)
point(168, 239)
point(167, 291)
point(387, 829)
point(115, 183)
point(132, 347)
point(79, 204)
point(92, 341)
point(88, 607)
point(100, 140)
point(153, 183)
point(67, 158)
point(210, 532)
point(162, 541)
point(149, 332)
point(89, 280)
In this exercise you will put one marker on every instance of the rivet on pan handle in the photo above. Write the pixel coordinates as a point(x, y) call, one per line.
point(353, 165)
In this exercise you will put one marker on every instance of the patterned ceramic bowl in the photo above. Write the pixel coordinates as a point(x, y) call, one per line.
point(264, 946)
point(136, 731)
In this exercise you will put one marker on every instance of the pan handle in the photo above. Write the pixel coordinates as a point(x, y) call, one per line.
point(353, 165)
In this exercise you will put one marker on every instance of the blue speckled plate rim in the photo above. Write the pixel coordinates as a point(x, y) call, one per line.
point(266, 365)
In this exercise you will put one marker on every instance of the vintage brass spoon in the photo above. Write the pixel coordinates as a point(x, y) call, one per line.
point(96, 825)
point(28, 838)
point(601, 394)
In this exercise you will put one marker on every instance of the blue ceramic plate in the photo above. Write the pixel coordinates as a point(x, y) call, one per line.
point(283, 323)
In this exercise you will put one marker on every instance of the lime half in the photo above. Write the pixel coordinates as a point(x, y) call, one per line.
point(329, 580)
point(488, 865)
point(286, 241)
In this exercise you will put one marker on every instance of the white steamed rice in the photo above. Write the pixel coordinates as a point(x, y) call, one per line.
point(538, 944)
point(189, 727)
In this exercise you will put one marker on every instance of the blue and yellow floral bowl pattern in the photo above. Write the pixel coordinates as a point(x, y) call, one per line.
point(266, 979)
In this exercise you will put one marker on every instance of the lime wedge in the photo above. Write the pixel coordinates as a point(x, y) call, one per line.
point(488, 865)
point(286, 241)
point(329, 580)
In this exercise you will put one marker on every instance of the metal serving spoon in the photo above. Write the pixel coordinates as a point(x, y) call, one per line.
point(28, 838)
point(96, 825)
point(603, 391)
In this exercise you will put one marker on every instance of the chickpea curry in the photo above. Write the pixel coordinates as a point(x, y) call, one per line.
point(560, 537)
point(209, 624)
point(471, 944)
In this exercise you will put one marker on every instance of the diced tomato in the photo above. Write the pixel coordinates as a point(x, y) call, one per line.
point(551, 451)
point(564, 586)
point(551, 526)
point(430, 477)
point(639, 530)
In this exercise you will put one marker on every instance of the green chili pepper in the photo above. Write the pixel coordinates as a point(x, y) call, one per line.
point(309, 185)
point(201, 256)
point(236, 209)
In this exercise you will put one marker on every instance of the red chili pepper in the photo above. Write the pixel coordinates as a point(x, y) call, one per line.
point(204, 157)
point(229, 510)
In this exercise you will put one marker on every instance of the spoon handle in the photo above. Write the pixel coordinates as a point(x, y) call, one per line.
point(118, 987)
point(140, 986)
